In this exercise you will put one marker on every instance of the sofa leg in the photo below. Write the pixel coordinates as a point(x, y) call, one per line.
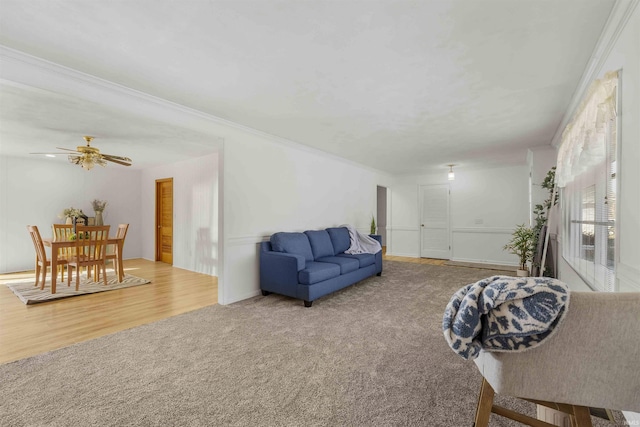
point(379, 274)
point(265, 293)
point(308, 303)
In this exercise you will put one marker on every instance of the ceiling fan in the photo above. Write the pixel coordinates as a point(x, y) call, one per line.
point(87, 156)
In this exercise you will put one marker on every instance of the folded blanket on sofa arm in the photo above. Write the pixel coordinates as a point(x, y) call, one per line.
point(503, 313)
point(361, 243)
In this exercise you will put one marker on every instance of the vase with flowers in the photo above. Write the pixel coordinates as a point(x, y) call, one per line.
point(69, 214)
point(98, 207)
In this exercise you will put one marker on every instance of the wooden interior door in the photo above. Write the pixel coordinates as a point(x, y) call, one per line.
point(164, 220)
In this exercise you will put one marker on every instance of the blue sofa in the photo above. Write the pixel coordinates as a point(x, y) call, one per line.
point(313, 264)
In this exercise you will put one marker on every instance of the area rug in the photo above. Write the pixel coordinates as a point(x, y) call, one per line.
point(372, 354)
point(29, 294)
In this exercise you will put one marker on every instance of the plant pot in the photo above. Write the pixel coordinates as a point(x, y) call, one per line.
point(99, 220)
point(522, 273)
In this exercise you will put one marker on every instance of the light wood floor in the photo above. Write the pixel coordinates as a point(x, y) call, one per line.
point(29, 330)
point(34, 329)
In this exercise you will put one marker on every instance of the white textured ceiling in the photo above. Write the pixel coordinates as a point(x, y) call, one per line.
point(401, 86)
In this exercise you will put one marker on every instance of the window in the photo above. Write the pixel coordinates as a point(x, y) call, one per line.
point(588, 179)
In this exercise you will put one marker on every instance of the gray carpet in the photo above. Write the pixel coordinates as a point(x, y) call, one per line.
point(369, 355)
point(30, 294)
point(503, 268)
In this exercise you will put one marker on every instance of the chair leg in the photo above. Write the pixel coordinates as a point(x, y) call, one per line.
point(104, 272)
point(43, 269)
point(37, 275)
point(581, 417)
point(78, 278)
point(485, 402)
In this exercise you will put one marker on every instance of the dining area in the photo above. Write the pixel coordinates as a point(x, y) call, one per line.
point(76, 247)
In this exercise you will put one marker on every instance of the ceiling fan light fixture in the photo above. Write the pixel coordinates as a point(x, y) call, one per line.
point(87, 163)
point(87, 156)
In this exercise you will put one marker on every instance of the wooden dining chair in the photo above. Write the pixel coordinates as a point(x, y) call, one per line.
point(90, 251)
point(63, 232)
point(41, 256)
point(112, 253)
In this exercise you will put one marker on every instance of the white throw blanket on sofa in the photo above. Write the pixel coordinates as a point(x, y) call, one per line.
point(361, 243)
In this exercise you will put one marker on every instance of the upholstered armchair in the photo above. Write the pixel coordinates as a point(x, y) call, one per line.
point(592, 360)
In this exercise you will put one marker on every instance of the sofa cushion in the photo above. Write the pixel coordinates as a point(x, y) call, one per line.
point(363, 259)
point(320, 243)
point(340, 239)
point(315, 272)
point(347, 265)
point(292, 243)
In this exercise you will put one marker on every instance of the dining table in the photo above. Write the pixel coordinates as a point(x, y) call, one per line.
point(118, 243)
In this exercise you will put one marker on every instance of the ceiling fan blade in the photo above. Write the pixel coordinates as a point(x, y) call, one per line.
point(68, 149)
point(124, 159)
point(50, 153)
point(109, 159)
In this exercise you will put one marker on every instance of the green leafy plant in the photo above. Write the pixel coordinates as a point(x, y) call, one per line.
point(373, 225)
point(540, 210)
point(522, 244)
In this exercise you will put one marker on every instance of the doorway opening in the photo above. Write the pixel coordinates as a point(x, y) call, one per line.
point(381, 214)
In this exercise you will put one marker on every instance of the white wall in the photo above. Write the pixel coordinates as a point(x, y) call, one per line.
point(272, 186)
point(486, 205)
point(195, 212)
point(34, 191)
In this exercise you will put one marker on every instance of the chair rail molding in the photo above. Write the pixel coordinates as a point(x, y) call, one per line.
point(491, 230)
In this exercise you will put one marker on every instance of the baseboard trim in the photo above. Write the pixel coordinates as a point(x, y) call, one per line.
point(488, 262)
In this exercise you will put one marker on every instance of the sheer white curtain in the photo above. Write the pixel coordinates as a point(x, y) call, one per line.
point(586, 172)
point(584, 139)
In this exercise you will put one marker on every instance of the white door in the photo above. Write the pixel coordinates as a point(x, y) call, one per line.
point(434, 222)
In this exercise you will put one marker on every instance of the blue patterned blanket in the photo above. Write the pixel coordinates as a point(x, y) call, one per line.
point(503, 313)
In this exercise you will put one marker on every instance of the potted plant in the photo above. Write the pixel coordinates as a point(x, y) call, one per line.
point(540, 210)
point(522, 244)
point(373, 225)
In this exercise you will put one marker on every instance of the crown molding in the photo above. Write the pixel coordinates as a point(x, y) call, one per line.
point(21, 69)
point(617, 21)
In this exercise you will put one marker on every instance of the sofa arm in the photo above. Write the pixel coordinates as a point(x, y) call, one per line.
point(378, 237)
point(279, 272)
